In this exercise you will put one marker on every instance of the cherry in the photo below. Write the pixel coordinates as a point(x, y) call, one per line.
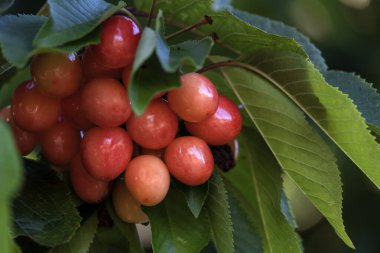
point(72, 109)
point(154, 129)
point(60, 143)
point(126, 75)
point(106, 152)
point(189, 160)
point(56, 74)
point(222, 127)
point(118, 42)
point(195, 100)
point(126, 207)
point(105, 102)
point(86, 187)
point(159, 153)
point(25, 141)
point(147, 178)
point(33, 111)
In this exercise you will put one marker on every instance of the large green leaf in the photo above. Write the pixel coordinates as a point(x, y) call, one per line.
point(256, 183)
point(82, 239)
point(10, 182)
point(44, 210)
point(299, 150)
point(217, 208)
point(7, 88)
point(174, 228)
point(329, 108)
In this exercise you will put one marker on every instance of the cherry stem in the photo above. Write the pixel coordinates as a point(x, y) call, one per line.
point(204, 21)
point(150, 17)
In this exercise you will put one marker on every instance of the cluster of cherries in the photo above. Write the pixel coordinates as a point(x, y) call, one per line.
point(79, 113)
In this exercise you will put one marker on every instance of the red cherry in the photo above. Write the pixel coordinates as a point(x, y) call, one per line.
point(156, 128)
point(60, 143)
point(106, 152)
point(195, 100)
point(118, 42)
point(56, 74)
point(33, 111)
point(147, 179)
point(189, 160)
point(86, 187)
point(105, 102)
point(159, 153)
point(25, 141)
point(126, 75)
point(222, 127)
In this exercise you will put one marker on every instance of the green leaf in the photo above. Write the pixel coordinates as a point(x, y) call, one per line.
point(362, 93)
point(329, 108)
point(73, 19)
point(219, 215)
point(299, 150)
point(279, 28)
point(82, 239)
point(17, 46)
point(195, 196)
point(246, 238)
point(9, 86)
point(287, 210)
point(256, 183)
point(128, 230)
point(174, 228)
point(44, 210)
point(110, 238)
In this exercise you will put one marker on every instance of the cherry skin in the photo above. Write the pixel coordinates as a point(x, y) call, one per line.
point(126, 207)
point(106, 152)
point(155, 128)
point(127, 75)
point(189, 160)
point(60, 143)
point(72, 109)
point(195, 100)
point(105, 102)
point(159, 153)
point(147, 179)
point(222, 127)
point(33, 111)
point(93, 69)
point(86, 187)
point(25, 141)
point(56, 74)
point(118, 42)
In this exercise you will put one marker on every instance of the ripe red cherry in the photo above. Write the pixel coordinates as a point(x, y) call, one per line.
point(147, 179)
point(105, 102)
point(86, 187)
point(60, 143)
point(159, 153)
point(72, 109)
point(189, 160)
point(106, 152)
point(195, 100)
point(222, 127)
point(118, 42)
point(93, 69)
point(126, 207)
point(33, 111)
point(25, 141)
point(154, 129)
point(56, 74)
point(127, 75)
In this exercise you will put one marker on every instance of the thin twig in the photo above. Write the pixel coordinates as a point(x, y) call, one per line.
point(205, 20)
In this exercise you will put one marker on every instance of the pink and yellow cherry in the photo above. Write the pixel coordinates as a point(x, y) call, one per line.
point(106, 152)
point(118, 42)
point(86, 187)
point(25, 141)
point(220, 128)
point(195, 100)
point(60, 143)
point(105, 102)
point(57, 74)
point(72, 109)
point(189, 160)
point(147, 179)
point(155, 128)
point(126, 207)
point(33, 111)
